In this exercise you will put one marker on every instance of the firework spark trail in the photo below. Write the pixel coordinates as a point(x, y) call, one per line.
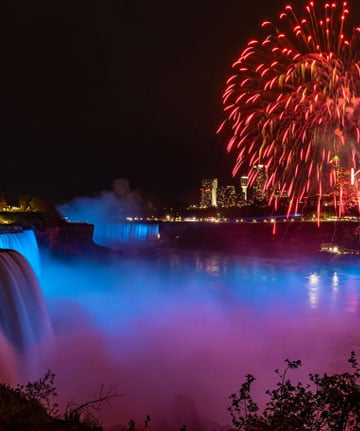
point(293, 102)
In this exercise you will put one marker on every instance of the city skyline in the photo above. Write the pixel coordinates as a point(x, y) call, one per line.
point(96, 92)
point(292, 104)
point(344, 192)
point(179, 213)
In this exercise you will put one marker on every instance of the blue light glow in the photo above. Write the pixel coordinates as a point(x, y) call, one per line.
point(161, 325)
point(25, 243)
point(116, 235)
point(188, 322)
point(23, 315)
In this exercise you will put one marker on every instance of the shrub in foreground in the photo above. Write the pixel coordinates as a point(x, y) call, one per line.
point(33, 407)
point(326, 402)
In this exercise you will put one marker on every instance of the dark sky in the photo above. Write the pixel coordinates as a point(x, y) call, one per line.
point(96, 90)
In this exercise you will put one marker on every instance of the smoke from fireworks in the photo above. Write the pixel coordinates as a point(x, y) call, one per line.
point(293, 104)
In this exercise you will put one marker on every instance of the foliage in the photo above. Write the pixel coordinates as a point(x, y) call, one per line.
point(327, 402)
point(86, 412)
point(19, 413)
point(33, 407)
point(43, 391)
point(131, 426)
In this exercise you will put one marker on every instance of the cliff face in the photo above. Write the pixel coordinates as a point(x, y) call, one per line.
point(67, 237)
point(31, 219)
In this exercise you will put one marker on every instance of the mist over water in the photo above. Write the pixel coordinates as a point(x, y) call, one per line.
point(176, 332)
point(108, 212)
point(106, 207)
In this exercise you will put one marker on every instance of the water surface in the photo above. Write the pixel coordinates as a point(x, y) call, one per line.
point(177, 331)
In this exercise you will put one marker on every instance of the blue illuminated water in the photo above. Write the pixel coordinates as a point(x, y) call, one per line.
point(194, 323)
point(177, 330)
point(23, 315)
point(25, 243)
point(117, 235)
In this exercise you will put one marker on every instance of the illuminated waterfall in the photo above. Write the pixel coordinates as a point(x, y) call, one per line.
point(117, 235)
point(25, 243)
point(23, 315)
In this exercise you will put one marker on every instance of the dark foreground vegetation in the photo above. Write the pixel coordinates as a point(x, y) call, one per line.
point(326, 402)
point(329, 402)
point(33, 407)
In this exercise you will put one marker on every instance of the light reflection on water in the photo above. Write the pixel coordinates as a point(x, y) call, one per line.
point(289, 282)
point(195, 323)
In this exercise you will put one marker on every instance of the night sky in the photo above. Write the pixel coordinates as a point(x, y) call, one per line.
point(96, 90)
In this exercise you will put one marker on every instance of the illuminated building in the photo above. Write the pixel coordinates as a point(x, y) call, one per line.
point(355, 181)
point(278, 191)
point(244, 188)
point(209, 193)
point(226, 196)
point(345, 188)
point(259, 194)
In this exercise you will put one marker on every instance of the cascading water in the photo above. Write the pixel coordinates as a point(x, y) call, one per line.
point(117, 235)
point(25, 243)
point(23, 315)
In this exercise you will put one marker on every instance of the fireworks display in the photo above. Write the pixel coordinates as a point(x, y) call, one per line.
point(293, 104)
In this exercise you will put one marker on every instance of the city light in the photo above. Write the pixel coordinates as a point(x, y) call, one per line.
point(292, 106)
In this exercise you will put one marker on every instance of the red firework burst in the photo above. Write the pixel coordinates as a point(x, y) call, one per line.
point(293, 104)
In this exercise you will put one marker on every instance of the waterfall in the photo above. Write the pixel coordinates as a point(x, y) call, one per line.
point(116, 235)
point(23, 314)
point(25, 243)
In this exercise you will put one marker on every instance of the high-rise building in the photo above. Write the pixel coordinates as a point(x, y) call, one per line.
point(226, 196)
point(355, 180)
point(345, 188)
point(244, 188)
point(259, 192)
point(209, 193)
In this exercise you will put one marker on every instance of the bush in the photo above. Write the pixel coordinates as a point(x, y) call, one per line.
point(326, 402)
point(33, 407)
